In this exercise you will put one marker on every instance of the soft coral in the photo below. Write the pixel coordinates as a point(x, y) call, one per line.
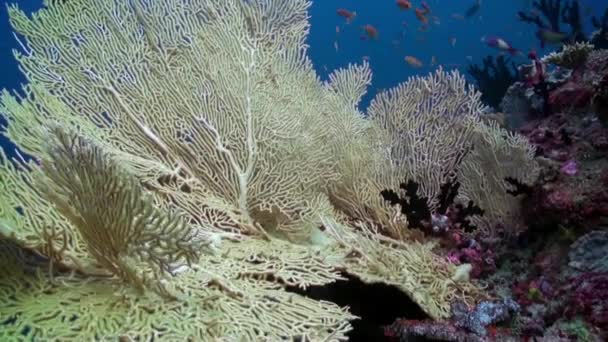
point(588, 296)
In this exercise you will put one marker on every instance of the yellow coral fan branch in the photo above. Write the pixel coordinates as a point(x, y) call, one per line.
point(122, 229)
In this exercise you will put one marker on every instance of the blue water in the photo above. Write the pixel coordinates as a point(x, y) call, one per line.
point(399, 36)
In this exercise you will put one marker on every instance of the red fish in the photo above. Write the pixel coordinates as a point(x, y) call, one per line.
point(348, 15)
point(421, 15)
point(404, 4)
point(371, 31)
point(422, 12)
point(500, 44)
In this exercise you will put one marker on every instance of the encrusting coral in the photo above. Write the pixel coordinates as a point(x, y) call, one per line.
point(188, 148)
point(571, 56)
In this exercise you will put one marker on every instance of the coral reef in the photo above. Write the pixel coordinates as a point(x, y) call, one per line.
point(599, 101)
point(528, 97)
point(555, 267)
point(484, 314)
point(182, 169)
point(567, 196)
point(183, 174)
point(588, 296)
point(477, 324)
point(412, 330)
point(571, 56)
point(558, 268)
point(542, 90)
point(590, 253)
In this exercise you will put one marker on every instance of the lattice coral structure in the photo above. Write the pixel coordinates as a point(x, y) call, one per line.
point(188, 147)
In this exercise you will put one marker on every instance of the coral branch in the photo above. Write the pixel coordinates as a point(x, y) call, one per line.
point(493, 78)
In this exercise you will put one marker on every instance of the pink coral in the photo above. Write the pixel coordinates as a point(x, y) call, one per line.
point(535, 291)
point(535, 73)
point(560, 199)
point(569, 168)
point(482, 260)
point(569, 95)
point(588, 296)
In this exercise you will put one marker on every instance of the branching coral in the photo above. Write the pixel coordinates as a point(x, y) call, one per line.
point(554, 11)
point(477, 155)
point(188, 127)
point(571, 15)
point(122, 229)
point(158, 132)
point(162, 129)
point(551, 9)
point(413, 115)
point(494, 78)
point(498, 155)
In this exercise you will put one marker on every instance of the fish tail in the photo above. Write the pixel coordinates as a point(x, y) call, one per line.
point(351, 18)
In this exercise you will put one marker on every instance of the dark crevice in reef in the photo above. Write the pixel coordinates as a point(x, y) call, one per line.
point(377, 305)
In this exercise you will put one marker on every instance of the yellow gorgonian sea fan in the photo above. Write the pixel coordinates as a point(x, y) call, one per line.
point(182, 165)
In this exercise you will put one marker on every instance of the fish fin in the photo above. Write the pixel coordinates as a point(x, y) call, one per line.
point(351, 18)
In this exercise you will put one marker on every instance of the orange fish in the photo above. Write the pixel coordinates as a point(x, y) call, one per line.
point(348, 15)
point(413, 61)
point(371, 31)
point(404, 4)
point(421, 15)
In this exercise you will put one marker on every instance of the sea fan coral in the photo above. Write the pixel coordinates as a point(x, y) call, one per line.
point(190, 149)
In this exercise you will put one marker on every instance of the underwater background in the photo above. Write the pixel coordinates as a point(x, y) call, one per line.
point(554, 270)
point(454, 40)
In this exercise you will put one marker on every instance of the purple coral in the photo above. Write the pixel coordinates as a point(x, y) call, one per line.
point(414, 330)
point(483, 315)
point(588, 296)
point(560, 199)
point(569, 168)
